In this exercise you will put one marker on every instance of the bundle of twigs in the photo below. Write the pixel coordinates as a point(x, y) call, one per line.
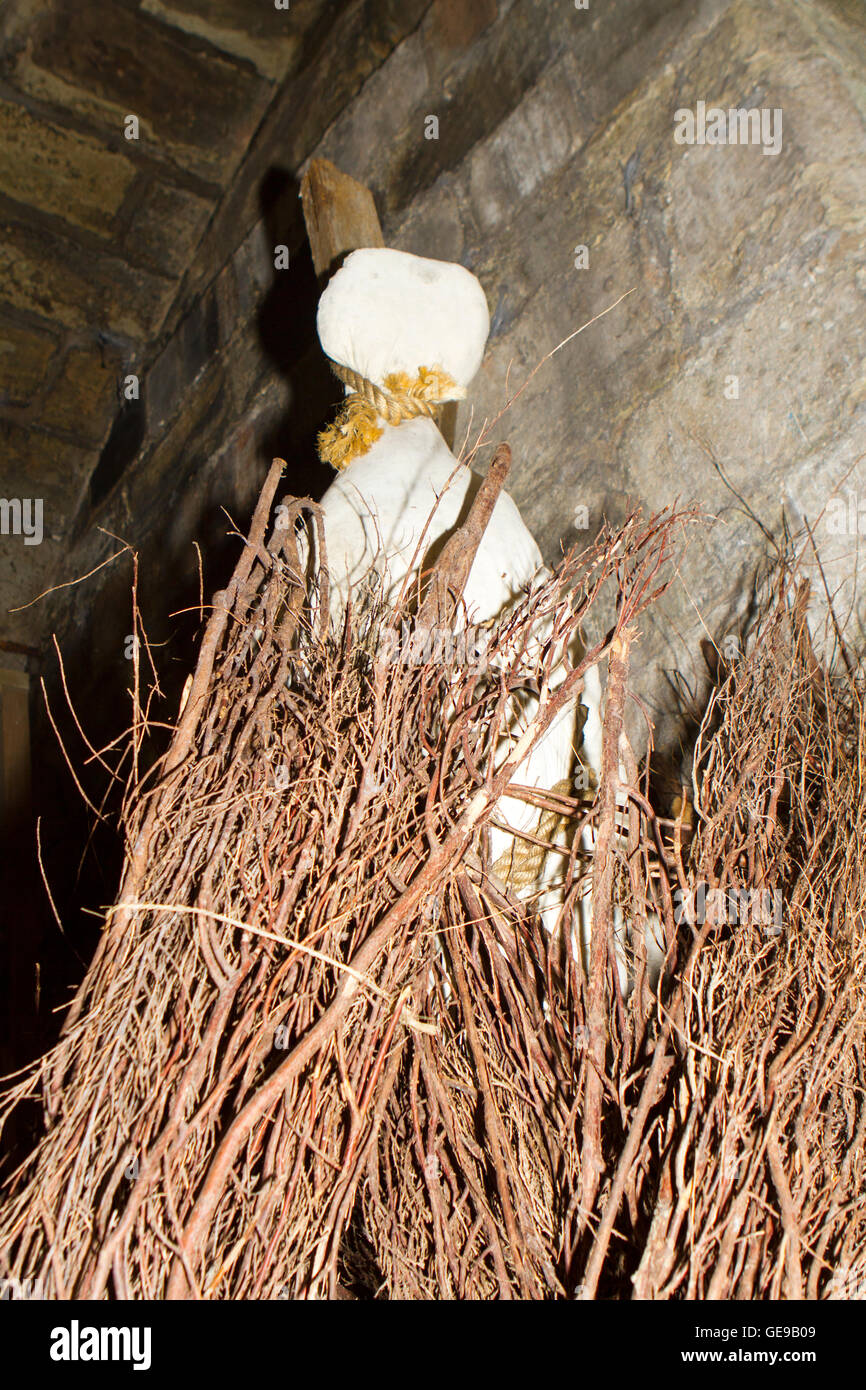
point(310, 988)
point(322, 1049)
point(760, 1149)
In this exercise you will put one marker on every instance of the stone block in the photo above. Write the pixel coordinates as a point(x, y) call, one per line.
point(166, 464)
point(457, 22)
point(164, 77)
point(192, 347)
point(166, 227)
point(25, 355)
point(64, 281)
point(26, 573)
point(454, 25)
point(36, 464)
point(42, 468)
point(268, 38)
point(84, 398)
point(433, 226)
point(60, 171)
point(247, 278)
point(530, 145)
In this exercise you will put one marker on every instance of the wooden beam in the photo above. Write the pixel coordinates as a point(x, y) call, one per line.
point(341, 216)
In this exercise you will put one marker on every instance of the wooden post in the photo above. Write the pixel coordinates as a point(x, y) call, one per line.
point(341, 216)
point(339, 212)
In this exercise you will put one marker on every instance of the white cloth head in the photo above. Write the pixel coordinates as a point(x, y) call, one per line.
point(386, 311)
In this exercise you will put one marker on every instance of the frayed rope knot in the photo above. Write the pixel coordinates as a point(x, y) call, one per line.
point(357, 427)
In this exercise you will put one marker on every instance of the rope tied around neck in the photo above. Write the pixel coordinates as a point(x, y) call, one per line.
point(402, 397)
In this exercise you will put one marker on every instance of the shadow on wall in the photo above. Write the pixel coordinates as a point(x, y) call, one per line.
point(287, 331)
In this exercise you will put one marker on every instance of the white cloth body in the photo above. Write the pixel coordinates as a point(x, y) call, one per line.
point(375, 514)
point(386, 311)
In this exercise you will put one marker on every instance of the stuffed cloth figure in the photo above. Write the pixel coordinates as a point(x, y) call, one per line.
point(406, 334)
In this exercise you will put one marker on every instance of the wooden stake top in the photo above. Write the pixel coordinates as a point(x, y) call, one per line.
point(339, 212)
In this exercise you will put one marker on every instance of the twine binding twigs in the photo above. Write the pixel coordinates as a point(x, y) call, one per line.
point(356, 428)
point(520, 866)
